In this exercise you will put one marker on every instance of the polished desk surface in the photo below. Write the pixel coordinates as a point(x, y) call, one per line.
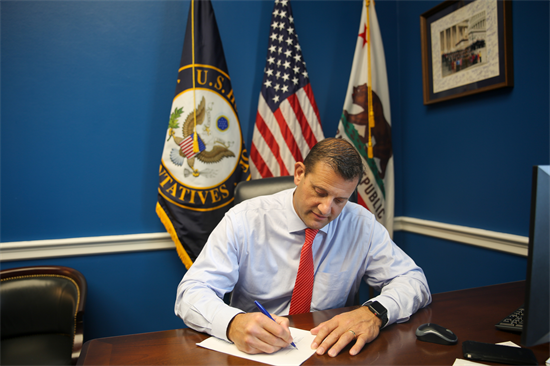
point(471, 314)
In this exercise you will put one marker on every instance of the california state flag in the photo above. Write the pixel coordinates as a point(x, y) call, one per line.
point(366, 121)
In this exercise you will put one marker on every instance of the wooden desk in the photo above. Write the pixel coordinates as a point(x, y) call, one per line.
point(471, 314)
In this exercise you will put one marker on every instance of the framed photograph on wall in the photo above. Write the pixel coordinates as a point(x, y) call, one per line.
point(466, 48)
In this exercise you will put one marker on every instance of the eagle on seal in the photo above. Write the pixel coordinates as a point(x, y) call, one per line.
point(216, 154)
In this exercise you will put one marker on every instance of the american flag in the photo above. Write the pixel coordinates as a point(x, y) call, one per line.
point(287, 123)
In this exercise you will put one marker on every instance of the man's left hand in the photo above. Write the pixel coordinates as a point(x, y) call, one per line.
point(335, 334)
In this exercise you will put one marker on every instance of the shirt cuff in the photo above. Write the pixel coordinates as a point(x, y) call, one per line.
point(221, 321)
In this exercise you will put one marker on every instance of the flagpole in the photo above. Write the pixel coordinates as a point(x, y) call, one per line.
point(371, 111)
point(195, 137)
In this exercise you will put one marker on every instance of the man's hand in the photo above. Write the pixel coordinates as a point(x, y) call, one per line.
point(335, 334)
point(255, 333)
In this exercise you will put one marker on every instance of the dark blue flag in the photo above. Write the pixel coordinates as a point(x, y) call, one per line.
point(204, 154)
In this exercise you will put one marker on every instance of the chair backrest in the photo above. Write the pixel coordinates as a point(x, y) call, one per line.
point(262, 187)
point(39, 301)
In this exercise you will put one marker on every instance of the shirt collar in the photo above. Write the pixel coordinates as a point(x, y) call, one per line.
point(294, 222)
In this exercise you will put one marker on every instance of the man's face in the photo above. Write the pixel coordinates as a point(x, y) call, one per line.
point(321, 195)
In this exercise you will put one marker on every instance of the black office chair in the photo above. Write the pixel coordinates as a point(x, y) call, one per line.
point(262, 187)
point(41, 313)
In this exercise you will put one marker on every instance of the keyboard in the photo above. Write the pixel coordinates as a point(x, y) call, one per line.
point(513, 322)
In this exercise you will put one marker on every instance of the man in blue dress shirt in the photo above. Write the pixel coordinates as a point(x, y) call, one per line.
point(255, 252)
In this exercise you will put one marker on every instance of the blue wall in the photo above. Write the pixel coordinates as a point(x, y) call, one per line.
point(86, 94)
point(127, 293)
point(468, 161)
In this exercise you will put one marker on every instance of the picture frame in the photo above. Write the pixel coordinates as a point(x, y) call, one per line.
point(466, 49)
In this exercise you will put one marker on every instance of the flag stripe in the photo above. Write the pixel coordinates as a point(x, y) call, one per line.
point(311, 128)
point(287, 135)
point(255, 156)
point(272, 146)
point(293, 109)
point(187, 147)
point(314, 124)
point(294, 128)
point(282, 157)
point(301, 119)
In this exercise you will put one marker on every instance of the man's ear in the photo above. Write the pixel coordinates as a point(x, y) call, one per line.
point(299, 172)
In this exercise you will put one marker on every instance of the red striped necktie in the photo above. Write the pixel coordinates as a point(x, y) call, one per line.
point(301, 296)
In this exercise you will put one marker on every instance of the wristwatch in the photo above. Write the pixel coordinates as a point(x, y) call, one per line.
point(379, 310)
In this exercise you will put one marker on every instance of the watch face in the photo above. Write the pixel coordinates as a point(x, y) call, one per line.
point(379, 308)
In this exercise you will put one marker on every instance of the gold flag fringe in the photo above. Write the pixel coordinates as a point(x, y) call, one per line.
point(170, 229)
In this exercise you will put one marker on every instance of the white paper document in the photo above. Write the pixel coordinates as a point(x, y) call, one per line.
point(286, 356)
point(461, 362)
point(509, 344)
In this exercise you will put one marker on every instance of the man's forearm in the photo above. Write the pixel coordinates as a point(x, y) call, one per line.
point(214, 315)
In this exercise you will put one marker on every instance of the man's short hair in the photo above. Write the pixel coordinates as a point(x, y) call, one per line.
point(339, 154)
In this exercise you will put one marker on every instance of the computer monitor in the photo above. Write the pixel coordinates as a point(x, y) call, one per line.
point(536, 319)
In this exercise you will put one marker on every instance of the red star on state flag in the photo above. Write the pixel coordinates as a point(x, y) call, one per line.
point(364, 35)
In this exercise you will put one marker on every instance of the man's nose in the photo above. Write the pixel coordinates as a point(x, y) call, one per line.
point(325, 206)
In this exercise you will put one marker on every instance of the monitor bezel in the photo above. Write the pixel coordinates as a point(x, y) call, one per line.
point(536, 323)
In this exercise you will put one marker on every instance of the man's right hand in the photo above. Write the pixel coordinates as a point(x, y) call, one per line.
point(255, 333)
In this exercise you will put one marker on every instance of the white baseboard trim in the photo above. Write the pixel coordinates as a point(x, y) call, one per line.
point(509, 243)
point(24, 250)
point(37, 249)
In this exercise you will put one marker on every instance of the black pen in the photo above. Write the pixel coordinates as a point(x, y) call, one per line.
point(269, 316)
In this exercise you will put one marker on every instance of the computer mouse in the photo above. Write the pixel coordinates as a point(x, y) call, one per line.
point(434, 333)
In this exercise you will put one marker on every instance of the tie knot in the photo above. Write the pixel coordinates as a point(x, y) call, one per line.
point(310, 234)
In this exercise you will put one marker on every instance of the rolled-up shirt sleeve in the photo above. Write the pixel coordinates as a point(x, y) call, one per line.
point(214, 273)
point(403, 285)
